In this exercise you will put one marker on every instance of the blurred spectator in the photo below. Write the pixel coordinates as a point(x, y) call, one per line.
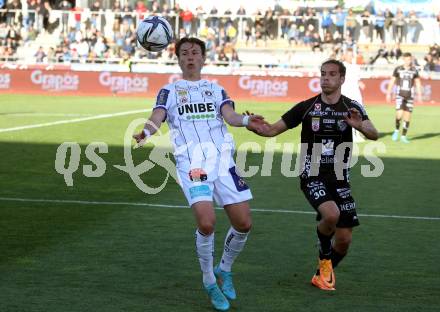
point(340, 20)
point(187, 18)
point(434, 50)
point(14, 17)
point(388, 24)
point(367, 26)
point(40, 55)
point(64, 6)
point(141, 10)
point(293, 34)
point(223, 58)
point(235, 60)
point(326, 21)
point(381, 56)
point(399, 25)
point(437, 65)
point(429, 63)
point(379, 26)
point(127, 14)
point(32, 7)
point(213, 20)
point(285, 23)
point(395, 53)
point(413, 25)
point(350, 23)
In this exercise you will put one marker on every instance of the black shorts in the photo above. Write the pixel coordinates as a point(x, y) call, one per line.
point(318, 190)
point(404, 103)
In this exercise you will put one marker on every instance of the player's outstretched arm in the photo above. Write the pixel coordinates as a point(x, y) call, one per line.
point(366, 127)
point(236, 120)
point(150, 127)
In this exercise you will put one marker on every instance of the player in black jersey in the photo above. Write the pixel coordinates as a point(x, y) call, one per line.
point(404, 77)
point(326, 136)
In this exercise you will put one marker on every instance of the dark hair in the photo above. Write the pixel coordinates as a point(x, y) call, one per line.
point(406, 54)
point(341, 66)
point(192, 40)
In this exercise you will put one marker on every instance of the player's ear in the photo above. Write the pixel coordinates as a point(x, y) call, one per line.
point(342, 80)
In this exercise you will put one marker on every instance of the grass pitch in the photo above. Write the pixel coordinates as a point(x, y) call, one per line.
point(97, 246)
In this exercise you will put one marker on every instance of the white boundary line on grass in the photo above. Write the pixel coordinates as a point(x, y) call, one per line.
point(84, 202)
point(67, 121)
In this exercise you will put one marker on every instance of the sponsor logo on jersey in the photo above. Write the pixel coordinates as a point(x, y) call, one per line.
point(317, 106)
point(347, 206)
point(342, 125)
point(328, 121)
point(328, 147)
point(199, 191)
point(162, 97)
point(197, 111)
point(344, 192)
point(197, 175)
point(315, 123)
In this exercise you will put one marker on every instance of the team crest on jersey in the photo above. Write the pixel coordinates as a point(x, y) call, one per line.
point(315, 123)
point(317, 106)
point(182, 96)
point(342, 125)
point(207, 93)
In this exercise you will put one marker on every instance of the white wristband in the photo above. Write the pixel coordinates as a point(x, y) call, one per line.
point(245, 121)
point(146, 132)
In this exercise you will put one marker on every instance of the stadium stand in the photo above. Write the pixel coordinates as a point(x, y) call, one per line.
point(270, 38)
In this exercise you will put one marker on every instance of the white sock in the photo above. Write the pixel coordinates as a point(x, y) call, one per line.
point(234, 244)
point(205, 253)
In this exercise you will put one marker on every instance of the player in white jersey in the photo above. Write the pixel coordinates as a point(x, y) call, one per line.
point(353, 85)
point(196, 111)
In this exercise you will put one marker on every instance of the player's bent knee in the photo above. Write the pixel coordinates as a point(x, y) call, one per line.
point(244, 226)
point(206, 227)
point(331, 218)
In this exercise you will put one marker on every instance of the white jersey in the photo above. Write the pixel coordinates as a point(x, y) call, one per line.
point(350, 88)
point(198, 131)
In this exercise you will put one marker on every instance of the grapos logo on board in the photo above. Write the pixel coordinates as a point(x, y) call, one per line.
point(5, 81)
point(55, 82)
point(123, 84)
point(264, 87)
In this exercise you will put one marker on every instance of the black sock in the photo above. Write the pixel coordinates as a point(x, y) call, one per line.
point(336, 258)
point(397, 124)
point(405, 127)
point(325, 241)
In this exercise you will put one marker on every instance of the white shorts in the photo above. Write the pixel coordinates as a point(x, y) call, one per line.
point(225, 189)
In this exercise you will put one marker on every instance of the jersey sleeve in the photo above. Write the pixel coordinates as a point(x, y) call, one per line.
point(163, 99)
point(224, 99)
point(360, 108)
point(295, 115)
point(396, 72)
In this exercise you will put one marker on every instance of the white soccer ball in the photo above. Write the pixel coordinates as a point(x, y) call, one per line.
point(154, 33)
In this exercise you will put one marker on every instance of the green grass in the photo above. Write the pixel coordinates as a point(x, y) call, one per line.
point(81, 257)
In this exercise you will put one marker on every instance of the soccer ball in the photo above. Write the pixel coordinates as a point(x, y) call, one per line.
point(154, 33)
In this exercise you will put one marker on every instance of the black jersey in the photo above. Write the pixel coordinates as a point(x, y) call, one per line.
point(323, 129)
point(405, 80)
